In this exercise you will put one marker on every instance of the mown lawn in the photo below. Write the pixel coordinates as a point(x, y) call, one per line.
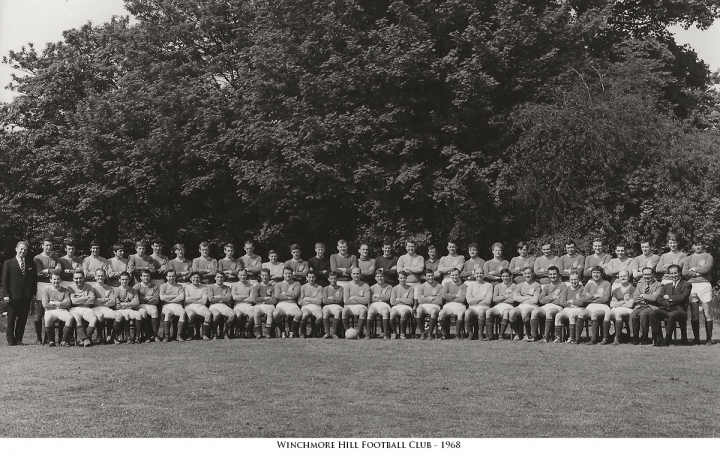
point(326, 388)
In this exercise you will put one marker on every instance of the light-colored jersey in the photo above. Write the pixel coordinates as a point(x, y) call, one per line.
point(414, 265)
point(503, 293)
point(92, 264)
point(61, 295)
point(148, 295)
point(172, 293)
point(244, 292)
point(381, 293)
point(196, 294)
point(276, 269)
point(356, 293)
point(82, 298)
point(479, 293)
point(311, 294)
point(221, 293)
point(431, 293)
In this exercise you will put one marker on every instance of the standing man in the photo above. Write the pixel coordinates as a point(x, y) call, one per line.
point(180, 265)
point(19, 281)
point(93, 262)
point(619, 263)
point(433, 262)
point(493, 267)
point(646, 259)
point(140, 261)
point(46, 263)
point(697, 269)
point(160, 262)
point(599, 258)
point(252, 263)
point(571, 262)
point(544, 262)
point(449, 262)
point(116, 265)
point(320, 265)
point(522, 261)
point(412, 264)
point(674, 257)
point(69, 263)
point(205, 265)
point(342, 263)
point(229, 266)
point(297, 264)
point(366, 264)
point(468, 271)
point(387, 263)
point(274, 267)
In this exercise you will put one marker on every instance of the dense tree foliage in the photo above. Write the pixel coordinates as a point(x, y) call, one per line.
point(292, 121)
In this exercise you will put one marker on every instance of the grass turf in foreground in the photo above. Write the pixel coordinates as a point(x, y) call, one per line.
point(318, 388)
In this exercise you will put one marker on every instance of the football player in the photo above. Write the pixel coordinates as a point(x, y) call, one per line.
point(571, 262)
point(104, 309)
point(69, 263)
point(297, 264)
point(342, 263)
point(149, 297)
point(333, 306)
point(619, 263)
point(572, 307)
point(479, 296)
point(401, 302)
point(320, 265)
point(467, 272)
point(92, 263)
point(356, 297)
point(46, 263)
point(551, 299)
point(366, 264)
point(82, 296)
point(454, 297)
point(544, 262)
point(503, 294)
point(205, 265)
point(526, 298)
point(646, 259)
point(229, 266)
point(140, 261)
point(597, 302)
point(265, 305)
point(432, 263)
point(287, 292)
point(160, 262)
point(387, 263)
point(430, 301)
point(697, 269)
point(56, 302)
point(220, 297)
point(599, 258)
point(128, 304)
point(274, 267)
point(243, 295)
point(493, 267)
point(252, 263)
point(180, 265)
point(379, 306)
point(116, 265)
point(311, 296)
point(196, 300)
point(172, 296)
point(621, 306)
point(674, 257)
point(522, 261)
point(450, 261)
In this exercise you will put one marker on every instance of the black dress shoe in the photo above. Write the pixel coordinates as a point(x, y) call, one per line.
point(10, 343)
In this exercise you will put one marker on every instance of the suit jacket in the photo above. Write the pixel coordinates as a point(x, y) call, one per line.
point(678, 295)
point(15, 285)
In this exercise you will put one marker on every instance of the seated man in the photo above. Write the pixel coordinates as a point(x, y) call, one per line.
point(82, 296)
point(356, 297)
point(333, 306)
point(265, 301)
point(430, 301)
point(597, 302)
point(127, 303)
point(220, 297)
point(311, 295)
point(673, 307)
point(379, 305)
point(205, 265)
point(105, 309)
point(572, 307)
point(149, 296)
point(56, 302)
point(116, 265)
point(196, 303)
point(502, 302)
point(647, 293)
point(479, 299)
point(287, 292)
point(172, 297)
point(401, 301)
point(621, 305)
point(46, 263)
point(526, 298)
point(454, 296)
point(243, 295)
point(140, 261)
point(551, 299)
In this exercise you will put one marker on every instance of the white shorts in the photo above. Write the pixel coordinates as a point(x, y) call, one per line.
point(416, 289)
point(103, 312)
point(500, 307)
point(355, 309)
point(453, 309)
point(429, 307)
point(56, 314)
point(217, 309)
point(80, 313)
point(400, 311)
point(288, 308)
point(245, 309)
point(130, 313)
point(701, 290)
point(172, 309)
point(333, 311)
point(312, 310)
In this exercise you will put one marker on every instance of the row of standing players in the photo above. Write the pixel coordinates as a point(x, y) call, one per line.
point(412, 268)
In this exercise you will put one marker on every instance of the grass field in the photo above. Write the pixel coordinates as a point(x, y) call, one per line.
point(376, 388)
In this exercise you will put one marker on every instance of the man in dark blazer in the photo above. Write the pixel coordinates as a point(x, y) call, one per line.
point(673, 308)
point(19, 284)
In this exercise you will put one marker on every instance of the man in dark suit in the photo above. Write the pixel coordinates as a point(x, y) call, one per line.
point(19, 284)
point(673, 308)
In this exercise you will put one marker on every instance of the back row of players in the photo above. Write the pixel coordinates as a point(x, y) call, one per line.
point(528, 293)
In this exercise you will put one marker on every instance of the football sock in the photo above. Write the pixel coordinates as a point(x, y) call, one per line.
point(326, 324)
point(594, 330)
point(606, 330)
point(166, 329)
point(38, 330)
point(534, 328)
point(503, 326)
point(50, 333)
point(488, 329)
point(708, 328)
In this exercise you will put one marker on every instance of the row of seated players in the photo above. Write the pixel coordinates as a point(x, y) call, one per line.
point(475, 305)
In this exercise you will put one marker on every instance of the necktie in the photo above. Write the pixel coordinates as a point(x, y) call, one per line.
point(22, 266)
point(647, 289)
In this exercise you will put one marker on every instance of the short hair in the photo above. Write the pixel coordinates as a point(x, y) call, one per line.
point(94, 243)
point(179, 246)
point(204, 244)
point(402, 273)
point(287, 269)
point(428, 271)
point(158, 241)
point(230, 245)
point(626, 272)
point(597, 268)
point(378, 272)
point(522, 244)
point(140, 243)
point(295, 247)
point(27, 245)
point(497, 245)
point(620, 244)
point(410, 242)
point(195, 273)
point(168, 272)
point(453, 270)
point(272, 251)
point(570, 242)
point(219, 273)
point(99, 270)
point(311, 272)
point(265, 270)
point(69, 242)
point(144, 272)
point(698, 240)
point(528, 268)
point(332, 274)
point(83, 276)
point(598, 240)
point(553, 267)
point(647, 268)
point(125, 274)
point(472, 245)
point(672, 236)
point(549, 244)
point(675, 266)
point(645, 240)
point(506, 270)
point(47, 240)
point(352, 270)
point(319, 244)
point(55, 273)
point(387, 242)
point(432, 246)
point(453, 242)
point(341, 241)
point(117, 247)
point(574, 274)
point(248, 242)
